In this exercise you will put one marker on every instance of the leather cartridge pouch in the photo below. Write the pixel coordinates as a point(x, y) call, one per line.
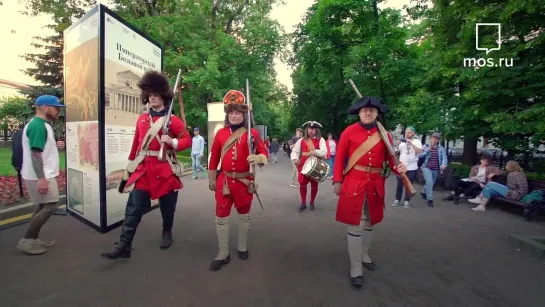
point(175, 165)
point(225, 188)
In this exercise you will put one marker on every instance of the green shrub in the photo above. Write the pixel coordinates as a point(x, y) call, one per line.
point(459, 170)
point(535, 176)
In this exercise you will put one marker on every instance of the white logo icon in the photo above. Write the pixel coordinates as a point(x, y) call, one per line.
point(498, 41)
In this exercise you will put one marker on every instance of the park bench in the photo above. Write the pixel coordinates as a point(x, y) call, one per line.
point(532, 186)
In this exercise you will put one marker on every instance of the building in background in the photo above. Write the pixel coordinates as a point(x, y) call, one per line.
point(10, 88)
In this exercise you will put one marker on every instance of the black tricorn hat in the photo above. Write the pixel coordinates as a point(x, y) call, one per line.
point(154, 82)
point(368, 102)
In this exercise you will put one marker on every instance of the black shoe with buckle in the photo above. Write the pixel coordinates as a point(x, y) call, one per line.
point(217, 264)
point(243, 255)
point(370, 266)
point(312, 207)
point(302, 208)
point(356, 282)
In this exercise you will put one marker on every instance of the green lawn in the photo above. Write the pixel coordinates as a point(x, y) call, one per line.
point(7, 170)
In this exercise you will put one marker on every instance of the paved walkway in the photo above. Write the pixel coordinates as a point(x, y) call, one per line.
point(442, 256)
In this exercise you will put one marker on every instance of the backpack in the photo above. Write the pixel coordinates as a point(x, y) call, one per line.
point(536, 195)
point(17, 150)
point(421, 161)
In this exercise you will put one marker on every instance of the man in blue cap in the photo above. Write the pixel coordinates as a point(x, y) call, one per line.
point(197, 152)
point(40, 170)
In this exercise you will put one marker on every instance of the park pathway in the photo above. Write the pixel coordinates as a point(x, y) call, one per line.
point(442, 256)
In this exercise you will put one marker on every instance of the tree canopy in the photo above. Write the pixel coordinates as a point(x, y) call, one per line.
point(416, 64)
point(217, 44)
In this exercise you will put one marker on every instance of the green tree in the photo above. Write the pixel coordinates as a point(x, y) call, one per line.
point(48, 68)
point(348, 39)
point(501, 103)
point(238, 42)
point(13, 112)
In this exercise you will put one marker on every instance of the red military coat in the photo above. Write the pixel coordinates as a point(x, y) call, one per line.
point(234, 161)
point(152, 175)
point(356, 184)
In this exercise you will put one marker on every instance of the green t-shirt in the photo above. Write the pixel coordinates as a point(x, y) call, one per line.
point(36, 133)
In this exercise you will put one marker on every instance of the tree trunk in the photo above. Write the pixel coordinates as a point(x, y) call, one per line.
point(470, 151)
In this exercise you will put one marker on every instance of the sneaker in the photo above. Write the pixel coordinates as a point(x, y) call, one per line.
point(294, 185)
point(406, 204)
point(46, 243)
point(476, 200)
point(462, 195)
point(30, 247)
point(193, 178)
point(396, 203)
point(479, 208)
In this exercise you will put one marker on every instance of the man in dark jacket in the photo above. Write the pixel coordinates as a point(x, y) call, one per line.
point(274, 149)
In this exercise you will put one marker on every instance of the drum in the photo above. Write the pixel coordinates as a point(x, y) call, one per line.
point(315, 168)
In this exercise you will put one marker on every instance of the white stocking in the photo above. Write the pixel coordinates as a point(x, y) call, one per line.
point(243, 229)
point(222, 230)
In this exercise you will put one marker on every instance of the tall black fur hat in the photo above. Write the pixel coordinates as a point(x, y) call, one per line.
point(154, 82)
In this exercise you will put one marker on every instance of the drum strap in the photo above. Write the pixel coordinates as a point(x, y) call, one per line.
point(361, 151)
point(310, 146)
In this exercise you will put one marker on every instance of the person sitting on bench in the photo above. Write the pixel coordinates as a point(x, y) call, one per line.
point(472, 186)
point(516, 188)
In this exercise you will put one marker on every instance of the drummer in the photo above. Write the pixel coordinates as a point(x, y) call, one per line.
point(312, 144)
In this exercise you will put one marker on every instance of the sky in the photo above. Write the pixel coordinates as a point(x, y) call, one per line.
point(17, 30)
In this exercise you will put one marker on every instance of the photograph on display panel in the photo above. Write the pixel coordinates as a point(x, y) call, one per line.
point(81, 79)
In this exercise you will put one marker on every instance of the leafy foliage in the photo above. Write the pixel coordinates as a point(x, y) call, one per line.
point(417, 67)
point(217, 44)
point(13, 111)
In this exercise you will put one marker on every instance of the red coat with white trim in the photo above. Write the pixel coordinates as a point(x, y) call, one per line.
point(234, 159)
point(357, 184)
point(152, 175)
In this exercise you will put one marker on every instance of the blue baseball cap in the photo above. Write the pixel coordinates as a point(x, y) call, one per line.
point(49, 100)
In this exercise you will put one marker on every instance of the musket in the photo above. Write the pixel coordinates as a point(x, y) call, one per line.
point(384, 136)
point(181, 100)
point(166, 122)
point(251, 142)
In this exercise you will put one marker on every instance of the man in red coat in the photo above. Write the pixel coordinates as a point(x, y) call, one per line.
point(299, 155)
point(146, 176)
point(234, 185)
point(361, 187)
